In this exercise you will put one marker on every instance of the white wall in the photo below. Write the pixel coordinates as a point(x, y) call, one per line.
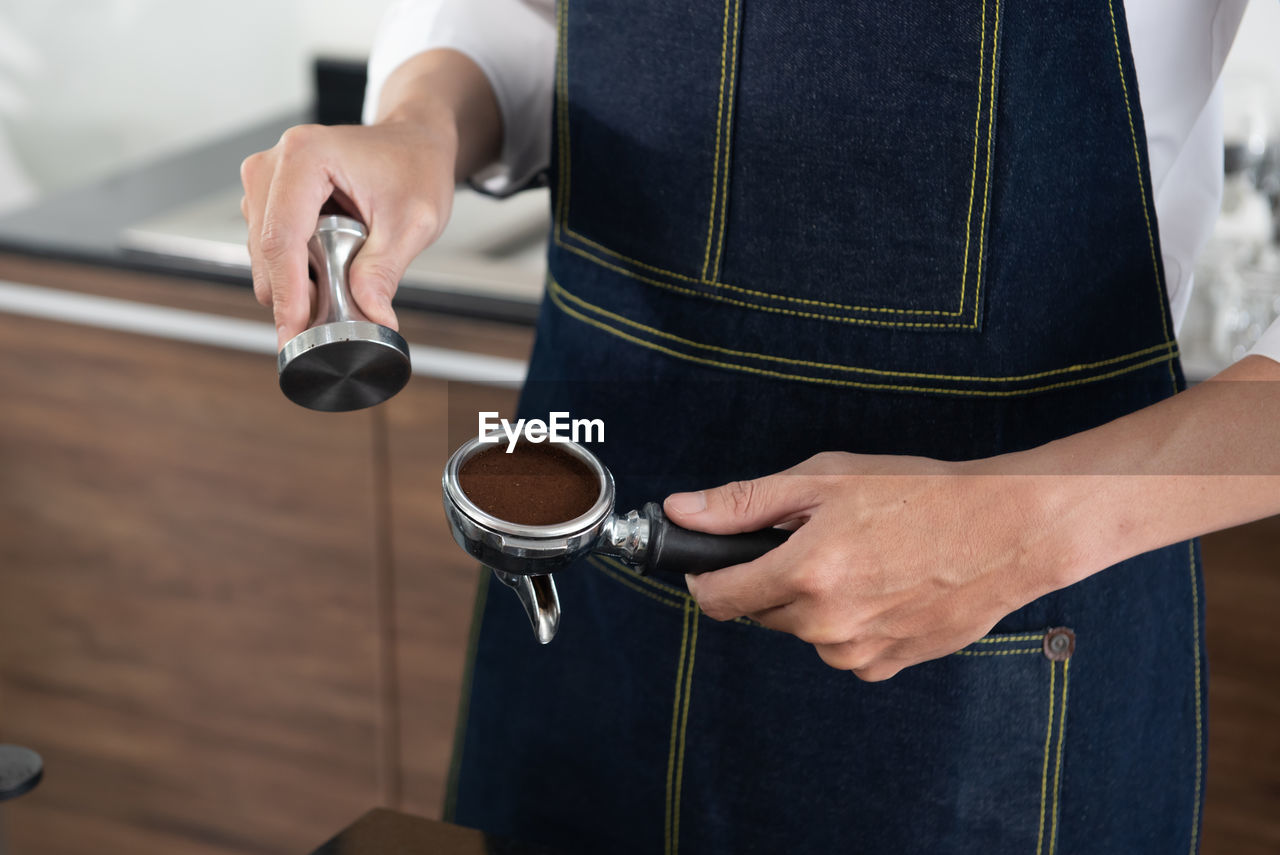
point(111, 82)
point(1255, 49)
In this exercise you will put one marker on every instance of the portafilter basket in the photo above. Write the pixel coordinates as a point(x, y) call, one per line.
point(524, 556)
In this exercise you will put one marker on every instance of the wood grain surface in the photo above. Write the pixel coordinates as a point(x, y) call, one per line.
point(187, 599)
point(435, 581)
point(1242, 796)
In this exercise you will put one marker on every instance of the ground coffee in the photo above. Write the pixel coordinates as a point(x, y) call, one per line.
point(533, 485)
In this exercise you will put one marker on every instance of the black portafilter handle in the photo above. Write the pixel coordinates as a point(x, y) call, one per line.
point(20, 770)
point(673, 549)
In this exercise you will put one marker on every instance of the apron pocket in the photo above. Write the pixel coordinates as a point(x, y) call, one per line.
point(960, 755)
point(643, 131)
point(888, 226)
point(716, 176)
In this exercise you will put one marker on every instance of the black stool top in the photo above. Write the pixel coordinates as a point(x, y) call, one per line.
point(20, 770)
point(387, 832)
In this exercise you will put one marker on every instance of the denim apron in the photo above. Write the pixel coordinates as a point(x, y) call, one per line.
point(792, 226)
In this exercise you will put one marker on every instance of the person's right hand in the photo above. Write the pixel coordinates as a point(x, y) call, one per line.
point(396, 176)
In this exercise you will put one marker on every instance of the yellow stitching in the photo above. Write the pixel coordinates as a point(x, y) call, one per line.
point(715, 171)
point(825, 381)
point(622, 578)
point(758, 308)
point(613, 574)
point(1044, 773)
point(644, 580)
point(997, 640)
point(556, 286)
point(615, 253)
point(675, 719)
point(724, 205)
point(684, 725)
point(986, 196)
point(621, 570)
point(1057, 772)
point(1195, 631)
point(1142, 185)
point(726, 286)
point(996, 393)
point(973, 179)
point(999, 652)
point(623, 575)
point(728, 145)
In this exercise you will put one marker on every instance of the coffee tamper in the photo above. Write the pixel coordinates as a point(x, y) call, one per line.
point(344, 361)
point(523, 557)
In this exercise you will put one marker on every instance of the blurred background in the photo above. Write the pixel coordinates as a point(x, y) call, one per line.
point(222, 648)
point(88, 89)
point(91, 87)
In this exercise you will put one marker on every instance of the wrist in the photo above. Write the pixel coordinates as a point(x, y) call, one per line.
point(1105, 496)
point(446, 96)
point(432, 118)
point(1077, 521)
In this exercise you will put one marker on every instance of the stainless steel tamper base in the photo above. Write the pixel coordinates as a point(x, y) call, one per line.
point(344, 365)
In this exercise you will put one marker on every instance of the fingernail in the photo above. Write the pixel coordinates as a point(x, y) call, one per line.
point(688, 503)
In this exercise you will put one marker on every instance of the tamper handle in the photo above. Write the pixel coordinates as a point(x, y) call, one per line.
point(333, 245)
point(672, 549)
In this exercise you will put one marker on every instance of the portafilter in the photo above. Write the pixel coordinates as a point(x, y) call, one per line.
point(524, 556)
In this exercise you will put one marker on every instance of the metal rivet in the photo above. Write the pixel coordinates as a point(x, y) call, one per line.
point(1059, 644)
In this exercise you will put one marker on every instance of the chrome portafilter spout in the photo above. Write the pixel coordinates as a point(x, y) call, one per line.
point(344, 361)
point(524, 556)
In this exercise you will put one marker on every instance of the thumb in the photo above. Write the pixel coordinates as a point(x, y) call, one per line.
point(741, 505)
point(375, 275)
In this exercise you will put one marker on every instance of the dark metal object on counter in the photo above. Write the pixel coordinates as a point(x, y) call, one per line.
point(524, 556)
point(344, 361)
point(21, 769)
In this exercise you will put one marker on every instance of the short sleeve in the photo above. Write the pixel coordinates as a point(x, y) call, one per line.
point(512, 41)
point(1269, 344)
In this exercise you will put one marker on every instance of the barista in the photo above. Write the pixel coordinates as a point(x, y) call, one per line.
point(906, 278)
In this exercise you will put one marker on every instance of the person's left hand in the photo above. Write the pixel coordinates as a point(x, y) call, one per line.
point(895, 560)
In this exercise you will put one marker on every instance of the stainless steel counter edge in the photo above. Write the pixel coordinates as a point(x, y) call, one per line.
point(233, 333)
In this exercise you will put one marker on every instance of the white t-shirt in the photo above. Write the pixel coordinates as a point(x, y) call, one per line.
point(1179, 47)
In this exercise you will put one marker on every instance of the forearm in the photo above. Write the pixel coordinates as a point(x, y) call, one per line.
point(445, 91)
point(1201, 461)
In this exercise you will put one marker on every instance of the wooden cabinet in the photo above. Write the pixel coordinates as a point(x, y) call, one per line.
point(232, 625)
point(187, 597)
point(218, 611)
point(1242, 785)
